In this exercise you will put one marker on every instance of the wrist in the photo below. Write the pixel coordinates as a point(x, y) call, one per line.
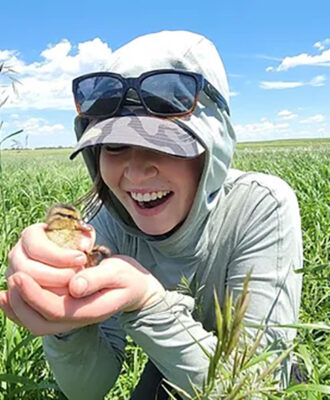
point(153, 295)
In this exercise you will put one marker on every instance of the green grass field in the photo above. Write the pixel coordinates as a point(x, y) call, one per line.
point(33, 180)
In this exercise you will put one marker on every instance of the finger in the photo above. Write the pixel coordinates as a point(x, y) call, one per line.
point(88, 237)
point(39, 247)
point(108, 274)
point(45, 275)
point(57, 282)
point(47, 303)
point(6, 307)
point(60, 291)
point(53, 308)
point(32, 320)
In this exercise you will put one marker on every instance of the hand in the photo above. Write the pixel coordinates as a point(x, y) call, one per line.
point(35, 255)
point(119, 283)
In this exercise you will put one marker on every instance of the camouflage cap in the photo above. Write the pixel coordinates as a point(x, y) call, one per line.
point(134, 127)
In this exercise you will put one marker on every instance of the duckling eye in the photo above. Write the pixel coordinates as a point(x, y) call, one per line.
point(66, 215)
point(63, 215)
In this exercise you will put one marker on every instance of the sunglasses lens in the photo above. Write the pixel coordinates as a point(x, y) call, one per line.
point(169, 93)
point(98, 95)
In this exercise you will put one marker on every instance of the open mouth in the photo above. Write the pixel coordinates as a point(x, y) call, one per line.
point(151, 200)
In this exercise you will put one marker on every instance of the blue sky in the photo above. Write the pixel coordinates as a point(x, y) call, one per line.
point(276, 54)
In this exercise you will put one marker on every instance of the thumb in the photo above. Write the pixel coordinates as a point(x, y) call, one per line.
point(114, 272)
point(87, 239)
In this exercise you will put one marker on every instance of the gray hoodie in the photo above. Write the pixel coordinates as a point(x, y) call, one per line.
point(238, 221)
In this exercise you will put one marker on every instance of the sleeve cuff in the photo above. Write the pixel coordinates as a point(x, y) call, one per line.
point(171, 301)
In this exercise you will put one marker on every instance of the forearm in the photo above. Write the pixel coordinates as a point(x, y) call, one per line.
point(84, 362)
point(172, 339)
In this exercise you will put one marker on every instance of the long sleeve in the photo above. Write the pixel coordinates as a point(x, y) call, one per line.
point(260, 229)
point(267, 239)
point(169, 334)
point(269, 242)
point(86, 362)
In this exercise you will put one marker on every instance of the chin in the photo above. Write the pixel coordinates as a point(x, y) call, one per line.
point(153, 230)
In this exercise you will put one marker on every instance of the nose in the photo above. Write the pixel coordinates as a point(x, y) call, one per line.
point(141, 166)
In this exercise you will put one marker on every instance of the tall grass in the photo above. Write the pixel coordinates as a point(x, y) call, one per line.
point(33, 180)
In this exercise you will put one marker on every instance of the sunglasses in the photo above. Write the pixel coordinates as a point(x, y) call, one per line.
point(162, 93)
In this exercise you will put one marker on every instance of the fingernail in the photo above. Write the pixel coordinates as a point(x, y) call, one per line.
point(81, 259)
point(14, 281)
point(17, 280)
point(80, 285)
point(85, 243)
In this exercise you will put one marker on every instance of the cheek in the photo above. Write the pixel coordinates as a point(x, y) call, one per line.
point(109, 171)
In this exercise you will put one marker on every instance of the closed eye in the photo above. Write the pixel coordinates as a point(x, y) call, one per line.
point(115, 148)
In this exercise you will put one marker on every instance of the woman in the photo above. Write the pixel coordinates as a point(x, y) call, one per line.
point(159, 150)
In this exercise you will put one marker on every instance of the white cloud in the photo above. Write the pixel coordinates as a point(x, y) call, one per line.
point(286, 114)
point(314, 119)
point(266, 57)
point(279, 85)
point(233, 94)
point(321, 60)
point(322, 44)
point(59, 51)
point(36, 126)
point(318, 80)
point(47, 84)
point(265, 127)
point(6, 55)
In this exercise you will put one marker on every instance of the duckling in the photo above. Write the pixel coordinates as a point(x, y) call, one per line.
point(65, 228)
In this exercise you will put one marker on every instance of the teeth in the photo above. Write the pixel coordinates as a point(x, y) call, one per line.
point(149, 196)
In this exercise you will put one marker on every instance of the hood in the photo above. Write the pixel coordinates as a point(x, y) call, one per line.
point(192, 52)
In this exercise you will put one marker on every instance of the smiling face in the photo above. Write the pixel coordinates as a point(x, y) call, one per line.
point(156, 189)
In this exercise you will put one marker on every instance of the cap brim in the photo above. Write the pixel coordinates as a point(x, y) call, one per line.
point(154, 133)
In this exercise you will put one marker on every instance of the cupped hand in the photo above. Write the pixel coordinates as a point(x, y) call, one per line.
point(36, 255)
point(118, 283)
